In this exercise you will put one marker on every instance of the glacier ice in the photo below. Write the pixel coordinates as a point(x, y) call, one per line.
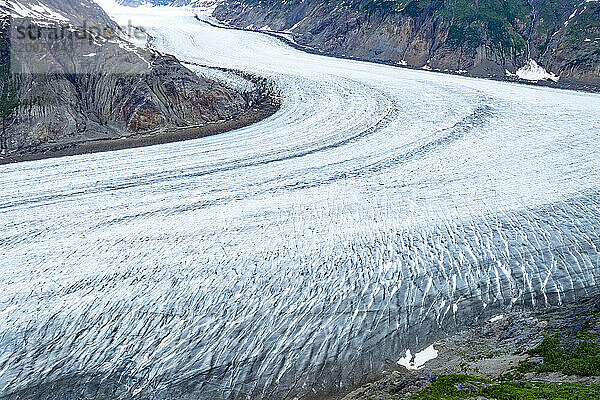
point(380, 209)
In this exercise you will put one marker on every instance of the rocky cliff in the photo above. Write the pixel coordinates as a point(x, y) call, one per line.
point(69, 75)
point(553, 40)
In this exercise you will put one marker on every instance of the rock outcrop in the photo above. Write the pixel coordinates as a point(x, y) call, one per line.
point(490, 38)
point(71, 75)
point(552, 353)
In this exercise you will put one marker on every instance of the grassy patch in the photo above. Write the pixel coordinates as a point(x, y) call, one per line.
point(464, 35)
point(491, 18)
point(585, 361)
point(462, 387)
point(9, 100)
point(586, 332)
point(540, 390)
point(450, 387)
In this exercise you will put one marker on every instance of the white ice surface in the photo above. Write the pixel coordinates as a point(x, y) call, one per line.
point(419, 359)
point(302, 252)
point(533, 72)
point(37, 11)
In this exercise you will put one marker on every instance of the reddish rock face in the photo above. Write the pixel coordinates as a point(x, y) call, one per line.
point(146, 117)
point(72, 91)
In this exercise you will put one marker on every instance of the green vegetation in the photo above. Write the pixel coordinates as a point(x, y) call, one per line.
point(458, 36)
point(585, 360)
point(501, 23)
point(9, 100)
point(459, 387)
point(581, 37)
point(550, 356)
point(586, 334)
point(473, 22)
point(539, 390)
point(450, 387)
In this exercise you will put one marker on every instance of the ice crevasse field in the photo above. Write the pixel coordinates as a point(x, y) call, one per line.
point(379, 209)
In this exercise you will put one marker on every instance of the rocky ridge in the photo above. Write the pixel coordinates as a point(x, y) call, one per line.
point(71, 75)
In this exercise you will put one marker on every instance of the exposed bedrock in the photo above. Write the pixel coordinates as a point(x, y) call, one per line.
point(494, 39)
point(60, 89)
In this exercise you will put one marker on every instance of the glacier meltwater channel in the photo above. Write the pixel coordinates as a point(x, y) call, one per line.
point(379, 209)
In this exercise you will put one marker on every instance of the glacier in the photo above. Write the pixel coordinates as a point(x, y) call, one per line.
point(380, 209)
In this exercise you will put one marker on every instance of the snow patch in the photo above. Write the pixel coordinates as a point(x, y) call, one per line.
point(533, 72)
point(296, 25)
point(119, 14)
point(496, 318)
point(35, 11)
point(570, 18)
point(417, 362)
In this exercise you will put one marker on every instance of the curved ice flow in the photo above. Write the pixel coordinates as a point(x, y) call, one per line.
point(379, 208)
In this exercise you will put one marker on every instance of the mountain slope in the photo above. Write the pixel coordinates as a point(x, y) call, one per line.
point(70, 75)
point(490, 38)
